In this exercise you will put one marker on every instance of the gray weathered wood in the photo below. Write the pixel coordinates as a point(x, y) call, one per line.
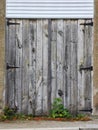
point(45, 36)
point(80, 63)
point(49, 66)
point(73, 78)
point(60, 35)
point(39, 69)
point(25, 66)
point(88, 62)
point(53, 60)
point(65, 66)
point(11, 61)
point(49, 54)
point(18, 72)
point(68, 61)
point(32, 66)
point(6, 72)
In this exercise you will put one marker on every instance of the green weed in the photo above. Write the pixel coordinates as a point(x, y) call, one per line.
point(58, 109)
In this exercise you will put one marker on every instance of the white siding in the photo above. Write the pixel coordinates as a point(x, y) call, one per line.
point(49, 8)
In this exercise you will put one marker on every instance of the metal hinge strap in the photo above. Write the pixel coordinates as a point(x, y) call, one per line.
point(11, 67)
point(86, 68)
point(87, 24)
point(88, 110)
point(12, 23)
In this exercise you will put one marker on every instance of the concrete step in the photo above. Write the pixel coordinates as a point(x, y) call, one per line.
point(89, 127)
point(69, 128)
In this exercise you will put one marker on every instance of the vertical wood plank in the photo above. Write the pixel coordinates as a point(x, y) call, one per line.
point(60, 35)
point(92, 59)
point(39, 71)
point(11, 61)
point(65, 66)
point(18, 75)
point(49, 66)
point(49, 54)
point(25, 69)
point(74, 74)
point(32, 66)
point(45, 65)
point(88, 62)
point(7, 58)
point(53, 60)
point(68, 62)
point(80, 54)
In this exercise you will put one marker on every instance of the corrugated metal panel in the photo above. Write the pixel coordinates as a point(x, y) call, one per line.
point(49, 8)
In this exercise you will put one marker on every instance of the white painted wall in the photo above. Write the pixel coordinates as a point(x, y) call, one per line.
point(49, 8)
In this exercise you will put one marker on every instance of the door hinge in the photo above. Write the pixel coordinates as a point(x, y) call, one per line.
point(86, 68)
point(87, 110)
point(11, 66)
point(11, 23)
point(87, 24)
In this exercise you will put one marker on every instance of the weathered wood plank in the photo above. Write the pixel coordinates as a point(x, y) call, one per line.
point(39, 71)
point(11, 61)
point(74, 76)
point(18, 71)
point(88, 62)
point(60, 35)
point(32, 66)
point(49, 66)
point(68, 61)
point(45, 66)
point(80, 56)
point(53, 60)
point(49, 54)
point(6, 58)
point(65, 67)
point(25, 69)
point(92, 59)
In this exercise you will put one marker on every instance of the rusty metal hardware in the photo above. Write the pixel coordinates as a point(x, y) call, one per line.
point(11, 66)
point(86, 68)
point(11, 23)
point(87, 24)
point(88, 110)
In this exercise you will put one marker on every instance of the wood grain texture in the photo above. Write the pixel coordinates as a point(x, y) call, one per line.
point(74, 76)
point(11, 62)
point(39, 69)
point(6, 56)
point(88, 62)
point(68, 61)
point(60, 36)
point(53, 60)
point(80, 63)
point(49, 54)
point(45, 36)
point(65, 67)
point(32, 66)
point(25, 66)
point(18, 78)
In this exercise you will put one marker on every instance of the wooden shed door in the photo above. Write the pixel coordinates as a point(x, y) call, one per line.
point(46, 59)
